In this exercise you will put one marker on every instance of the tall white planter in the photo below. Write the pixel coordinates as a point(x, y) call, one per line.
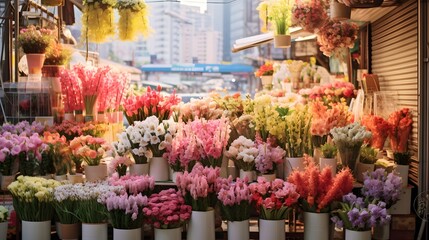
point(159, 169)
point(292, 164)
point(139, 169)
point(251, 175)
point(238, 230)
point(201, 226)
point(168, 234)
point(96, 173)
point(357, 235)
point(36, 230)
point(316, 226)
point(92, 231)
point(272, 229)
point(128, 234)
point(402, 171)
point(328, 162)
point(3, 230)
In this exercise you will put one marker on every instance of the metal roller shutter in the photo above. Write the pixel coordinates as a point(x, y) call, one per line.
point(394, 58)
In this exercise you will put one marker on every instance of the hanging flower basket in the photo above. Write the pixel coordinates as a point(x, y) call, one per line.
point(362, 3)
point(336, 35)
point(97, 20)
point(339, 11)
point(310, 15)
point(52, 3)
point(133, 19)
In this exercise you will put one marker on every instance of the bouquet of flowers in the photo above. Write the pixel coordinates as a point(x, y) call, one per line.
point(29, 151)
point(133, 19)
point(234, 199)
point(359, 214)
point(9, 152)
point(133, 185)
point(120, 164)
point(112, 94)
point(349, 140)
point(379, 128)
point(138, 108)
point(196, 108)
point(71, 86)
point(265, 70)
point(368, 155)
point(90, 149)
point(199, 187)
point(401, 123)
point(167, 210)
point(23, 128)
point(268, 158)
point(4, 214)
point(273, 199)
point(318, 189)
point(243, 152)
point(66, 203)
point(33, 197)
point(329, 150)
point(231, 104)
point(335, 92)
point(310, 14)
point(265, 116)
point(90, 197)
point(277, 13)
point(57, 54)
point(35, 40)
point(125, 211)
point(335, 35)
point(56, 154)
point(380, 186)
point(97, 20)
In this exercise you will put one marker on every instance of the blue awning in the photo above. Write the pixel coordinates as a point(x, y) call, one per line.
point(201, 68)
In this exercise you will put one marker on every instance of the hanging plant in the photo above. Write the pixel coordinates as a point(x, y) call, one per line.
point(52, 2)
point(335, 36)
point(97, 20)
point(133, 19)
point(310, 14)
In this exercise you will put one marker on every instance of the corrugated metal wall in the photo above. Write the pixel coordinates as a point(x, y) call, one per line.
point(395, 59)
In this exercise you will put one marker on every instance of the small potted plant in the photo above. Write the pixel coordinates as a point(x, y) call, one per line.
point(402, 160)
point(329, 157)
point(4, 214)
point(367, 158)
point(56, 57)
point(168, 213)
point(265, 72)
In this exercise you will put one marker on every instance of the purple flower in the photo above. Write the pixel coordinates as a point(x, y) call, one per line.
point(337, 221)
point(379, 186)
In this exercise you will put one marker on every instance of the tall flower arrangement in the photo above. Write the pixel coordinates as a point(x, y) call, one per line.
point(152, 102)
point(379, 128)
point(335, 35)
point(278, 14)
point(98, 20)
point(133, 19)
point(199, 187)
point(66, 203)
point(264, 116)
point(33, 197)
point(167, 210)
point(273, 199)
point(112, 92)
point(234, 199)
point(319, 189)
point(382, 186)
point(310, 14)
point(71, 87)
point(401, 123)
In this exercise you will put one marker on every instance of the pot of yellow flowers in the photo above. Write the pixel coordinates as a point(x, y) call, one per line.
point(278, 13)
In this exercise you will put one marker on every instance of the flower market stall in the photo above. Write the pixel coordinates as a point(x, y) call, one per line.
point(308, 156)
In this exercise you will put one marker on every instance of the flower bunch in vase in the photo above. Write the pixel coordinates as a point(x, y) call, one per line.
point(90, 149)
point(382, 186)
point(22, 128)
point(335, 92)
point(401, 123)
point(133, 184)
point(150, 103)
point(71, 88)
point(33, 198)
point(265, 70)
point(198, 187)
point(9, 152)
point(368, 156)
point(379, 128)
point(111, 97)
point(268, 158)
point(30, 154)
point(335, 35)
point(359, 214)
point(167, 210)
point(119, 164)
point(319, 189)
point(57, 54)
point(35, 40)
point(197, 108)
point(57, 154)
point(349, 140)
point(273, 199)
point(66, 203)
point(234, 199)
point(97, 20)
point(264, 115)
point(133, 19)
point(243, 153)
point(310, 14)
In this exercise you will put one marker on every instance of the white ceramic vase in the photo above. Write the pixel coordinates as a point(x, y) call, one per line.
point(402, 171)
point(249, 174)
point(201, 226)
point(272, 229)
point(91, 231)
point(238, 230)
point(168, 234)
point(316, 226)
point(36, 230)
point(139, 169)
point(328, 162)
point(357, 235)
point(96, 173)
point(128, 234)
point(292, 164)
point(159, 169)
